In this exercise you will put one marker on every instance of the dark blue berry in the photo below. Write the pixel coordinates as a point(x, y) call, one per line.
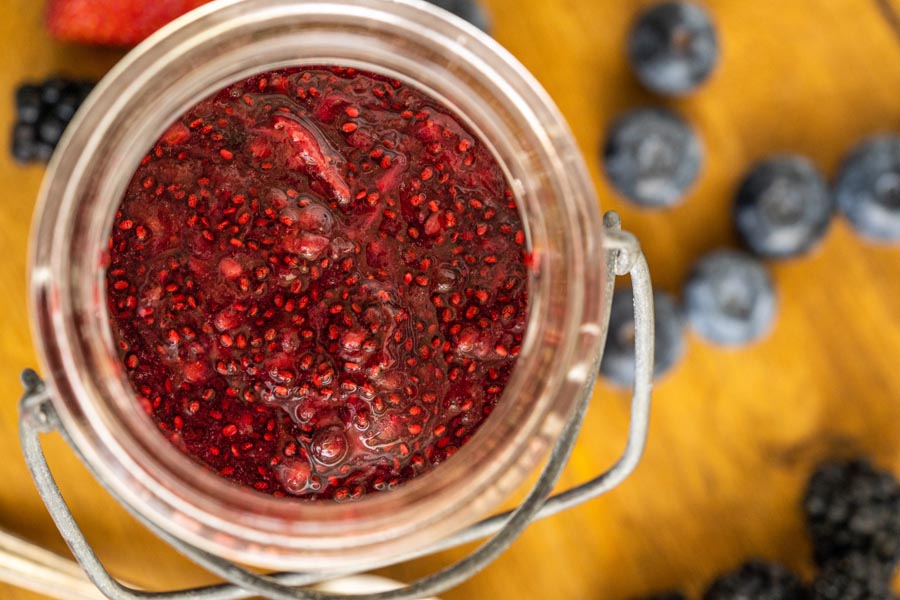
point(28, 104)
point(52, 90)
point(673, 47)
point(618, 357)
point(783, 207)
point(24, 133)
point(652, 156)
point(729, 298)
point(68, 104)
point(868, 188)
point(43, 151)
point(42, 114)
point(469, 10)
point(50, 130)
point(84, 87)
point(24, 138)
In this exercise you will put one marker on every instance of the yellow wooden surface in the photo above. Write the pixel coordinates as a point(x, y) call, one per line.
point(735, 433)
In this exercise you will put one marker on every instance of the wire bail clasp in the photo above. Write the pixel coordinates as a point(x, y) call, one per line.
point(623, 256)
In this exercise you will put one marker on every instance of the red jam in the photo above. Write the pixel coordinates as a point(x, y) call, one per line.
point(317, 283)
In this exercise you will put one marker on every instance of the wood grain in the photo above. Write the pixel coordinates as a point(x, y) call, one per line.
point(735, 433)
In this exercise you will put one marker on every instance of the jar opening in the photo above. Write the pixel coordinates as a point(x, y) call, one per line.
point(317, 283)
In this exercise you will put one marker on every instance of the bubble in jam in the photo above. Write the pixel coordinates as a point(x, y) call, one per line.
point(317, 283)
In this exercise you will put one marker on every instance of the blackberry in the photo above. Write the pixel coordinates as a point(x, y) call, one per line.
point(665, 596)
point(673, 47)
point(854, 577)
point(758, 580)
point(42, 113)
point(853, 508)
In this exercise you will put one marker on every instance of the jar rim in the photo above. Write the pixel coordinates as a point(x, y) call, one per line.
point(88, 391)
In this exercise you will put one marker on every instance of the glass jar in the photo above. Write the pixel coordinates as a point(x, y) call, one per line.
point(203, 52)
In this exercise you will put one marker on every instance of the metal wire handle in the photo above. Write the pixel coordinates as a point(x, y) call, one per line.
point(623, 256)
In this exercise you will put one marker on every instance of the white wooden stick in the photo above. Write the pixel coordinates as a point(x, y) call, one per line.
point(34, 568)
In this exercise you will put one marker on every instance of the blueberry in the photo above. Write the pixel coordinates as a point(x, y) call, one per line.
point(28, 103)
point(469, 10)
point(652, 156)
point(618, 357)
point(783, 207)
point(868, 188)
point(673, 47)
point(729, 298)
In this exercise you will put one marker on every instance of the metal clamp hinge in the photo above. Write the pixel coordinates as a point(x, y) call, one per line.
point(35, 405)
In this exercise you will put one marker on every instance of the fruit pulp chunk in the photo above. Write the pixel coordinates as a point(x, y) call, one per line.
point(317, 283)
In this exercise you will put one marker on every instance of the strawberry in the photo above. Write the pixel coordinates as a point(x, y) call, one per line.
point(112, 22)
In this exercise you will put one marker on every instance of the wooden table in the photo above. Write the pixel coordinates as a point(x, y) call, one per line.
point(735, 432)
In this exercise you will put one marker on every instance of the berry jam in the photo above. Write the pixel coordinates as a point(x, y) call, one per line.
point(317, 283)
